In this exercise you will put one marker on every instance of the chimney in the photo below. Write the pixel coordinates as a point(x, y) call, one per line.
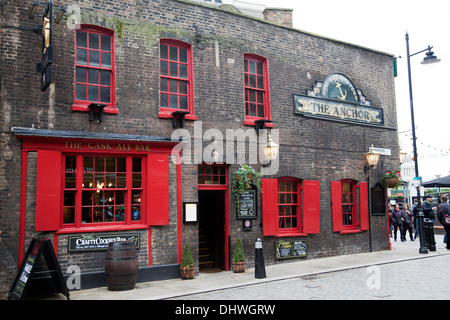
point(279, 16)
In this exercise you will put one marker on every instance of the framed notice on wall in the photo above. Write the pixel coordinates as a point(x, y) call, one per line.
point(247, 205)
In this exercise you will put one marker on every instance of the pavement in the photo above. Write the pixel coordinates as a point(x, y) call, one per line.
point(218, 280)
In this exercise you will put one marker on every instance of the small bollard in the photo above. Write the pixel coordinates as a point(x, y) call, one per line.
point(429, 225)
point(260, 270)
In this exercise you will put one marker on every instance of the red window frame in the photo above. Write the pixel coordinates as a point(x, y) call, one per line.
point(90, 76)
point(212, 174)
point(176, 85)
point(348, 203)
point(349, 199)
point(289, 210)
point(112, 193)
point(307, 207)
point(256, 89)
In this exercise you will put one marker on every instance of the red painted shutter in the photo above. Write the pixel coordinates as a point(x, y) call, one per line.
point(311, 206)
point(336, 205)
point(270, 206)
point(158, 189)
point(48, 191)
point(363, 206)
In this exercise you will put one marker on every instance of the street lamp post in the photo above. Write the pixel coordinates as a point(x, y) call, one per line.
point(430, 58)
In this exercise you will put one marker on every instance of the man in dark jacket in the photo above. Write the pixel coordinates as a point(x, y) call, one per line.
point(444, 207)
point(397, 221)
point(427, 208)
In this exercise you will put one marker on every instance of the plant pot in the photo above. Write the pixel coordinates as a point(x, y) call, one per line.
point(238, 266)
point(392, 182)
point(187, 273)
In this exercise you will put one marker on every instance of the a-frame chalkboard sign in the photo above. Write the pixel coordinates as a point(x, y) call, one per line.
point(24, 278)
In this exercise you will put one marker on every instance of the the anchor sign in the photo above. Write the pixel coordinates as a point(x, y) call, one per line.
point(343, 96)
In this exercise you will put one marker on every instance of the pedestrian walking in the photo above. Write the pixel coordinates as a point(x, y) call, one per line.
point(427, 208)
point(408, 222)
point(415, 211)
point(391, 225)
point(444, 207)
point(397, 221)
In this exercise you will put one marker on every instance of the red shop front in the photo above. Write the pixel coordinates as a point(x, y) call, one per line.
point(94, 187)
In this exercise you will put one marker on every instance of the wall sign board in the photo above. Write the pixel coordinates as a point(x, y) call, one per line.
point(285, 249)
point(247, 205)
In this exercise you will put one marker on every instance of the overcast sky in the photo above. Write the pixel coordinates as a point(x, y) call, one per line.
point(382, 25)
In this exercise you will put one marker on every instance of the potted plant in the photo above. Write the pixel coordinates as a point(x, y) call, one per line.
point(390, 179)
point(187, 268)
point(244, 179)
point(238, 257)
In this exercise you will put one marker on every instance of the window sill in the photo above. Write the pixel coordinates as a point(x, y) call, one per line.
point(251, 122)
point(350, 231)
point(290, 234)
point(85, 108)
point(110, 228)
point(166, 114)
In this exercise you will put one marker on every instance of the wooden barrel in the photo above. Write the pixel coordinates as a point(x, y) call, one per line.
point(121, 266)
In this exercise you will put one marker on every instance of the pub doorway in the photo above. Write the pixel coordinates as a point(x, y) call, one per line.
point(213, 218)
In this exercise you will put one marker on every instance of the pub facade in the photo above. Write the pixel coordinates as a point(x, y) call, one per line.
point(128, 121)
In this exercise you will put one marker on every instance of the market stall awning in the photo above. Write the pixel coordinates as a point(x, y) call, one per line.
point(438, 183)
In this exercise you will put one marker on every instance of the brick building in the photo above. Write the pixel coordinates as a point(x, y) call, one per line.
point(92, 157)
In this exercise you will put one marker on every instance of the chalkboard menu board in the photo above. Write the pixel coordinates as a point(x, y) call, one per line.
point(290, 249)
point(24, 277)
point(247, 205)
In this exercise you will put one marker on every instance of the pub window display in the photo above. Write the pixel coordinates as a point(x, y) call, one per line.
point(107, 189)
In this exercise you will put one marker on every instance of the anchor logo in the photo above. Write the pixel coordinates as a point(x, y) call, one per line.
point(343, 96)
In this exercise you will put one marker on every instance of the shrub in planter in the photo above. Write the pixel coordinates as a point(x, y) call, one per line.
point(244, 179)
point(238, 257)
point(187, 268)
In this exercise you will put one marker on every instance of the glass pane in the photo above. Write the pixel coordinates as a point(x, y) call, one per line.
point(282, 198)
point(183, 102)
point(106, 60)
point(93, 41)
point(183, 71)
point(164, 68)
point(110, 180)
point(252, 109)
point(110, 164)
point(173, 86)
point(94, 58)
point(164, 83)
point(81, 39)
point(88, 164)
point(99, 164)
point(252, 96)
point(164, 100)
point(105, 95)
point(119, 213)
point(174, 69)
point(82, 57)
point(88, 179)
point(252, 81)
point(69, 198)
point(92, 93)
point(163, 52)
point(183, 87)
point(174, 102)
point(93, 76)
point(183, 55)
point(80, 93)
point(137, 164)
point(260, 82)
point(69, 215)
point(71, 164)
point(261, 110)
point(252, 66)
point(259, 68)
point(121, 180)
point(70, 181)
point(245, 65)
point(106, 42)
point(137, 180)
point(260, 97)
point(87, 198)
point(174, 53)
point(81, 74)
point(121, 164)
point(281, 186)
point(86, 215)
point(246, 79)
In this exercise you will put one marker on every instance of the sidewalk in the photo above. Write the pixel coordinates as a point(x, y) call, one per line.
point(211, 281)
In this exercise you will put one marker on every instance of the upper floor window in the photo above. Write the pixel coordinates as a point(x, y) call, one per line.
point(256, 85)
point(176, 85)
point(94, 68)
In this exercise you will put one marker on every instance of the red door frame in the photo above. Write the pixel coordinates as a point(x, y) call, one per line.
point(225, 188)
